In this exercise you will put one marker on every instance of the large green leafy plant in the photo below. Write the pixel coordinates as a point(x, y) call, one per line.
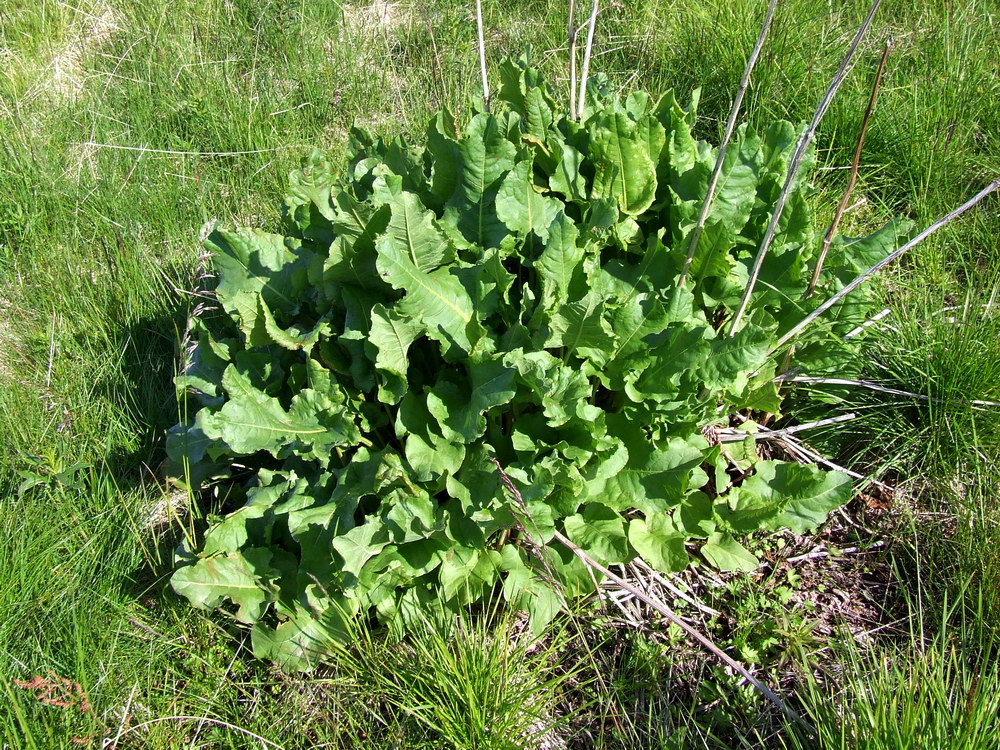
point(500, 301)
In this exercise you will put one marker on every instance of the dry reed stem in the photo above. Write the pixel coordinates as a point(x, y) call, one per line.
point(948, 218)
point(828, 238)
point(796, 162)
point(723, 146)
point(571, 33)
point(582, 100)
point(482, 55)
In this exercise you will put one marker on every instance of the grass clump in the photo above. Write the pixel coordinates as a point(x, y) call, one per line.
point(940, 691)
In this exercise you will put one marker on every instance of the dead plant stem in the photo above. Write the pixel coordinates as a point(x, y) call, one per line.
point(588, 48)
point(482, 55)
point(828, 238)
point(795, 163)
point(571, 33)
point(723, 146)
point(669, 614)
point(948, 218)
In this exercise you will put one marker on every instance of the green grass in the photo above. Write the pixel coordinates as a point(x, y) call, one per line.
point(940, 691)
point(126, 126)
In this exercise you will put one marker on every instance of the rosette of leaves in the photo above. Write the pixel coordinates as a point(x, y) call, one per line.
point(504, 293)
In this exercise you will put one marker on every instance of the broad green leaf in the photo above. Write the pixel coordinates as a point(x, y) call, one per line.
point(485, 156)
point(726, 554)
point(676, 353)
point(251, 421)
point(734, 358)
point(639, 315)
point(522, 207)
point(233, 532)
point(681, 150)
point(852, 256)
point(695, 515)
point(560, 261)
point(292, 338)
point(600, 532)
point(713, 256)
point(529, 587)
point(442, 146)
point(735, 192)
point(466, 572)
point(580, 327)
point(567, 178)
point(562, 391)
point(301, 643)
point(438, 299)
point(656, 476)
point(459, 408)
point(414, 234)
point(360, 544)
point(213, 580)
point(488, 284)
point(523, 89)
point(390, 338)
point(623, 170)
point(537, 113)
point(256, 264)
point(352, 253)
point(429, 453)
point(659, 542)
point(785, 495)
point(410, 517)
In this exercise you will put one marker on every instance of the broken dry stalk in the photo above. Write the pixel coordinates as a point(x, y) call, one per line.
point(796, 162)
point(797, 329)
point(571, 32)
point(482, 55)
point(668, 613)
point(730, 126)
point(854, 172)
point(872, 386)
point(582, 99)
point(730, 435)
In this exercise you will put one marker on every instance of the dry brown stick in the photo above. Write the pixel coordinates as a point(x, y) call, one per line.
point(482, 55)
point(723, 146)
point(946, 219)
point(854, 172)
point(702, 639)
point(571, 33)
point(793, 167)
